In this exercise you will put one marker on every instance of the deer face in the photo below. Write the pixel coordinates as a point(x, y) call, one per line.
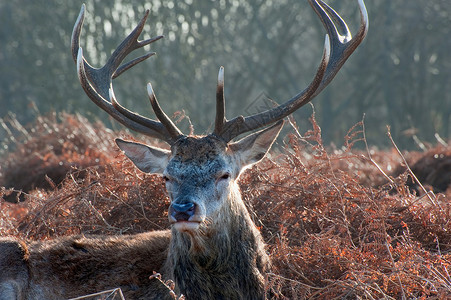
point(200, 172)
point(197, 177)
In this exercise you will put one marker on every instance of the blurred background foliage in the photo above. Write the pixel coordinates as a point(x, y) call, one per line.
point(400, 76)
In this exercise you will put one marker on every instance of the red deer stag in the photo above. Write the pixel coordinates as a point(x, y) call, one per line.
point(213, 250)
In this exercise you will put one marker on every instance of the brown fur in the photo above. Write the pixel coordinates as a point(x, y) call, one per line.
point(226, 261)
point(13, 269)
point(78, 265)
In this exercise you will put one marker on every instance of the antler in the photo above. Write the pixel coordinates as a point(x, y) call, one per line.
point(97, 83)
point(339, 45)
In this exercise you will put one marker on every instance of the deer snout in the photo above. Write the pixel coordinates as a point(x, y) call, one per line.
point(179, 212)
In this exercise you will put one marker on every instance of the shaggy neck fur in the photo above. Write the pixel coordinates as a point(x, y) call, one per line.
point(226, 259)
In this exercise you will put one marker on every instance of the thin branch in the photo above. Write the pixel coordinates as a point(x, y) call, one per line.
point(431, 196)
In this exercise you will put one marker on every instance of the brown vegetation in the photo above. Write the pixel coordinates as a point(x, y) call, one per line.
point(50, 148)
point(336, 224)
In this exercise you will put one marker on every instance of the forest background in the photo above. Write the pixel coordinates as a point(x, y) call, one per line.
point(400, 76)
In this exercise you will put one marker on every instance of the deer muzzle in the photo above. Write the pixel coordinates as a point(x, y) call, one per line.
point(184, 216)
point(181, 212)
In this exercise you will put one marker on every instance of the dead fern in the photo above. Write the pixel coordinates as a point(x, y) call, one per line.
point(339, 222)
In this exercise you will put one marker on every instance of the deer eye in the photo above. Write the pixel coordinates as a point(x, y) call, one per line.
point(166, 178)
point(224, 176)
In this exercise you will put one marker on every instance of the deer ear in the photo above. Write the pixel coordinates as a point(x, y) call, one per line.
point(147, 159)
point(254, 147)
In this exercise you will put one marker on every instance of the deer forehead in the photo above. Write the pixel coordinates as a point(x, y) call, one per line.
point(198, 149)
point(198, 157)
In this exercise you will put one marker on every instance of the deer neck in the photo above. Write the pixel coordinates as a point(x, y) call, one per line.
point(228, 249)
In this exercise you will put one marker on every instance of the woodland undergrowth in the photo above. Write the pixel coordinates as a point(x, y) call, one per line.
point(339, 222)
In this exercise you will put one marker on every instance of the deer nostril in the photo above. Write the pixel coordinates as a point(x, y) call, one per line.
point(182, 211)
point(183, 207)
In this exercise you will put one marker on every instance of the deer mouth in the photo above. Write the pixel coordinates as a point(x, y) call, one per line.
point(186, 226)
point(193, 219)
point(185, 217)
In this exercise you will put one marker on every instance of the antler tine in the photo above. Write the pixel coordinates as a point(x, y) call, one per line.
point(75, 38)
point(164, 119)
point(343, 32)
point(364, 24)
point(131, 64)
point(97, 82)
point(343, 45)
point(220, 103)
point(337, 49)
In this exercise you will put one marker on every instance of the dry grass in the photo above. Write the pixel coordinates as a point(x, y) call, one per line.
point(337, 225)
point(114, 294)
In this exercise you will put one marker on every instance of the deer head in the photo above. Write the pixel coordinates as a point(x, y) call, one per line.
point(201, 172)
